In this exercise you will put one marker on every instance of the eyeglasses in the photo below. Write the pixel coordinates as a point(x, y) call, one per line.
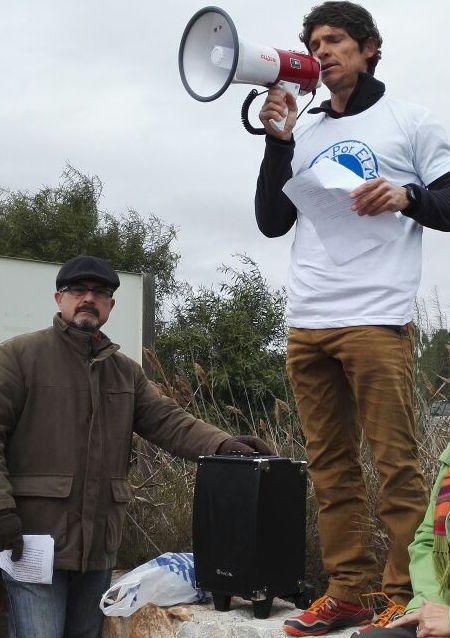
point(78, 290)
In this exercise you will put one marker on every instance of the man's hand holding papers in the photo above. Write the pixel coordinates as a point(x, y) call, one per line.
point(36, 563)
point(322, 194)
point(378, 196)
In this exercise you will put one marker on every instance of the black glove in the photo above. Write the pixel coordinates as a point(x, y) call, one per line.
point(11, 534)
point(246, 445)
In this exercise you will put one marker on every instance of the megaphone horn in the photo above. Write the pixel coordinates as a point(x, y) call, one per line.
point(211, 57)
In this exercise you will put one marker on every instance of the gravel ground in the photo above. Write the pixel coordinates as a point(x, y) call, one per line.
point(240, 622)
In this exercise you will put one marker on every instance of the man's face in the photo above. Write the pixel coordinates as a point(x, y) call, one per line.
point(340, 56)
point(85, 304)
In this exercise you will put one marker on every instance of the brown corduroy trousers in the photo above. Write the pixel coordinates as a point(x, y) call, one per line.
point(349, 381)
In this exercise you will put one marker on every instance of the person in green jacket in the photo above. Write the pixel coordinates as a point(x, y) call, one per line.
point(428, 613)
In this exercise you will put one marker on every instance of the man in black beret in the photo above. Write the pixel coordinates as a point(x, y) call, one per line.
point(90, 283)
point(69, 404)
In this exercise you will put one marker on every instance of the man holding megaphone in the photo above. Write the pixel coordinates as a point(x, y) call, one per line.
point(350, 345)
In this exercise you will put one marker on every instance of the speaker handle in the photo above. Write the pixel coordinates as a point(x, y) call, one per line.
point(246, 106)
point(293, 88)
point(289, 87)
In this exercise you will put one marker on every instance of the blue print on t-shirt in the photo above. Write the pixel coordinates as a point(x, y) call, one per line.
point(354, 155)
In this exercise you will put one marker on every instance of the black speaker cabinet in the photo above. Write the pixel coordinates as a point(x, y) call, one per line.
point(249, 529)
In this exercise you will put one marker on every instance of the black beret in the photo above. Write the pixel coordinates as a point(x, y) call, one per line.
point(86, 267)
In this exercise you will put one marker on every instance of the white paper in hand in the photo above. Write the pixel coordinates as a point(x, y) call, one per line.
point(36, 564)
point(322, 194)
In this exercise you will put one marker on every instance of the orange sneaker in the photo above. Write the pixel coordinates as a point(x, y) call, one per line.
point(326, 614)
point(392, 612)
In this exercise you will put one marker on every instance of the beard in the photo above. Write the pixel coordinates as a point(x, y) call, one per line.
point(86, 320)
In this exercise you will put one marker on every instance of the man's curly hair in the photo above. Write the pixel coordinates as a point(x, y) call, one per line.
point(351, 17)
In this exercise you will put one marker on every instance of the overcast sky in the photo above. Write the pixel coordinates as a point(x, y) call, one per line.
point(95, 83)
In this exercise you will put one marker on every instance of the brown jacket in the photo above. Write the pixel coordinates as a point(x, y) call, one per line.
point(67, 412)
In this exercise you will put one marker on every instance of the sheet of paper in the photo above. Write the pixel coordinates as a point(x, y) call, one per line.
point(36, 564)
point(322, 194)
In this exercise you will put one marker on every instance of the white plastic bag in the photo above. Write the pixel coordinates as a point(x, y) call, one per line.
point(163, 581)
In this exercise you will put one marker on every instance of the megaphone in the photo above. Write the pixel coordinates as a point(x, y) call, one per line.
point(211, 57)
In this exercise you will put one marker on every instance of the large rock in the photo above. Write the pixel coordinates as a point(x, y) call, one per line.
point(202, 621)
point(149, 621)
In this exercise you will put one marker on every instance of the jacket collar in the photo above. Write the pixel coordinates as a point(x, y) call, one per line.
point(367, 91)
point(99, 349)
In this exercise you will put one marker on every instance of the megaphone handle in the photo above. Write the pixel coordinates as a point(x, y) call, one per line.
point(294, 89)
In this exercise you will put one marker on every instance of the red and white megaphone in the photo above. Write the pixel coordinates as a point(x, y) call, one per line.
point(211, 57)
